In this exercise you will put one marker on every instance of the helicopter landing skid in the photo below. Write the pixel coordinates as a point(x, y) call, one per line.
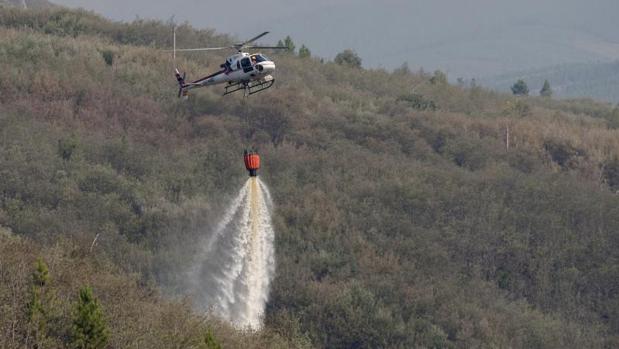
point(249, 87)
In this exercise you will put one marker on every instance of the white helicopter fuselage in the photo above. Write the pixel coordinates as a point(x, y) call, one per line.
point(238, 68)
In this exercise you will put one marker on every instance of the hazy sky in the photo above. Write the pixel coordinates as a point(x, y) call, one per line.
point(468, 38)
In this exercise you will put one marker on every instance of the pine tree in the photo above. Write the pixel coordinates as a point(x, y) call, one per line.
point(546, 91)
point(41, 306)
point(304, 52)
point(89, 330)
point(289, 43)
point(520, 88)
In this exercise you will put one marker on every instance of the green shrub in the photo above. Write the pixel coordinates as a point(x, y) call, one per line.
point(108, 57)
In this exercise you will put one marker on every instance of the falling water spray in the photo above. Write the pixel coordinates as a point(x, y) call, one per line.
point(232, 273)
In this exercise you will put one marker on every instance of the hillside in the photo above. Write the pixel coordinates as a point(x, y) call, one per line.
point(599, 81)
point(403, 216)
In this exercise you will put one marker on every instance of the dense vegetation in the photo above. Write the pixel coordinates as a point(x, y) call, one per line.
point(409, 212)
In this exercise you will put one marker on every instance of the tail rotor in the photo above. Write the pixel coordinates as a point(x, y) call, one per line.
point(182, 91)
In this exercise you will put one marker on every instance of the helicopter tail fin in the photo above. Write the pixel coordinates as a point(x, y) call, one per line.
point(182, 87)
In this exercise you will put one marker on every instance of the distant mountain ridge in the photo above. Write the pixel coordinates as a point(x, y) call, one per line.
point(465, 51)
point(599, 81)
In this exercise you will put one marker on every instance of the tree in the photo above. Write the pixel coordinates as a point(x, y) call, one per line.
point(439, 78)
point(304, 52)
point(89, 330)
point(348, 57)
point(41, 306)
point(520, 88)
point(546, 91)
point(289, 43)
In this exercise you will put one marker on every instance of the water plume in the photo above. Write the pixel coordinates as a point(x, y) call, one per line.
point(232, 273)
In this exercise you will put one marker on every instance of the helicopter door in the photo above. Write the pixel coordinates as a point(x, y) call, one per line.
point(246, 64)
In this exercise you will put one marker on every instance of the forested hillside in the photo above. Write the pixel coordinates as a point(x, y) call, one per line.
point(409, 213)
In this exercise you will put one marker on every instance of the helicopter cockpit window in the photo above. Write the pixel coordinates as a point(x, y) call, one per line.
point(246, 64)
point(258, 58)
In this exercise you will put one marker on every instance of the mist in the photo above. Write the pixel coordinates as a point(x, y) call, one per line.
point(470, 39)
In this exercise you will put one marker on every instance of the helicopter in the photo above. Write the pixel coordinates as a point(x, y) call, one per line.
point(242, 71)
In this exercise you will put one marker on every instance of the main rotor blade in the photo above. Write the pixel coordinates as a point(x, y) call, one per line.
point(252, 39)
point(203, 49)
point(269, 47)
